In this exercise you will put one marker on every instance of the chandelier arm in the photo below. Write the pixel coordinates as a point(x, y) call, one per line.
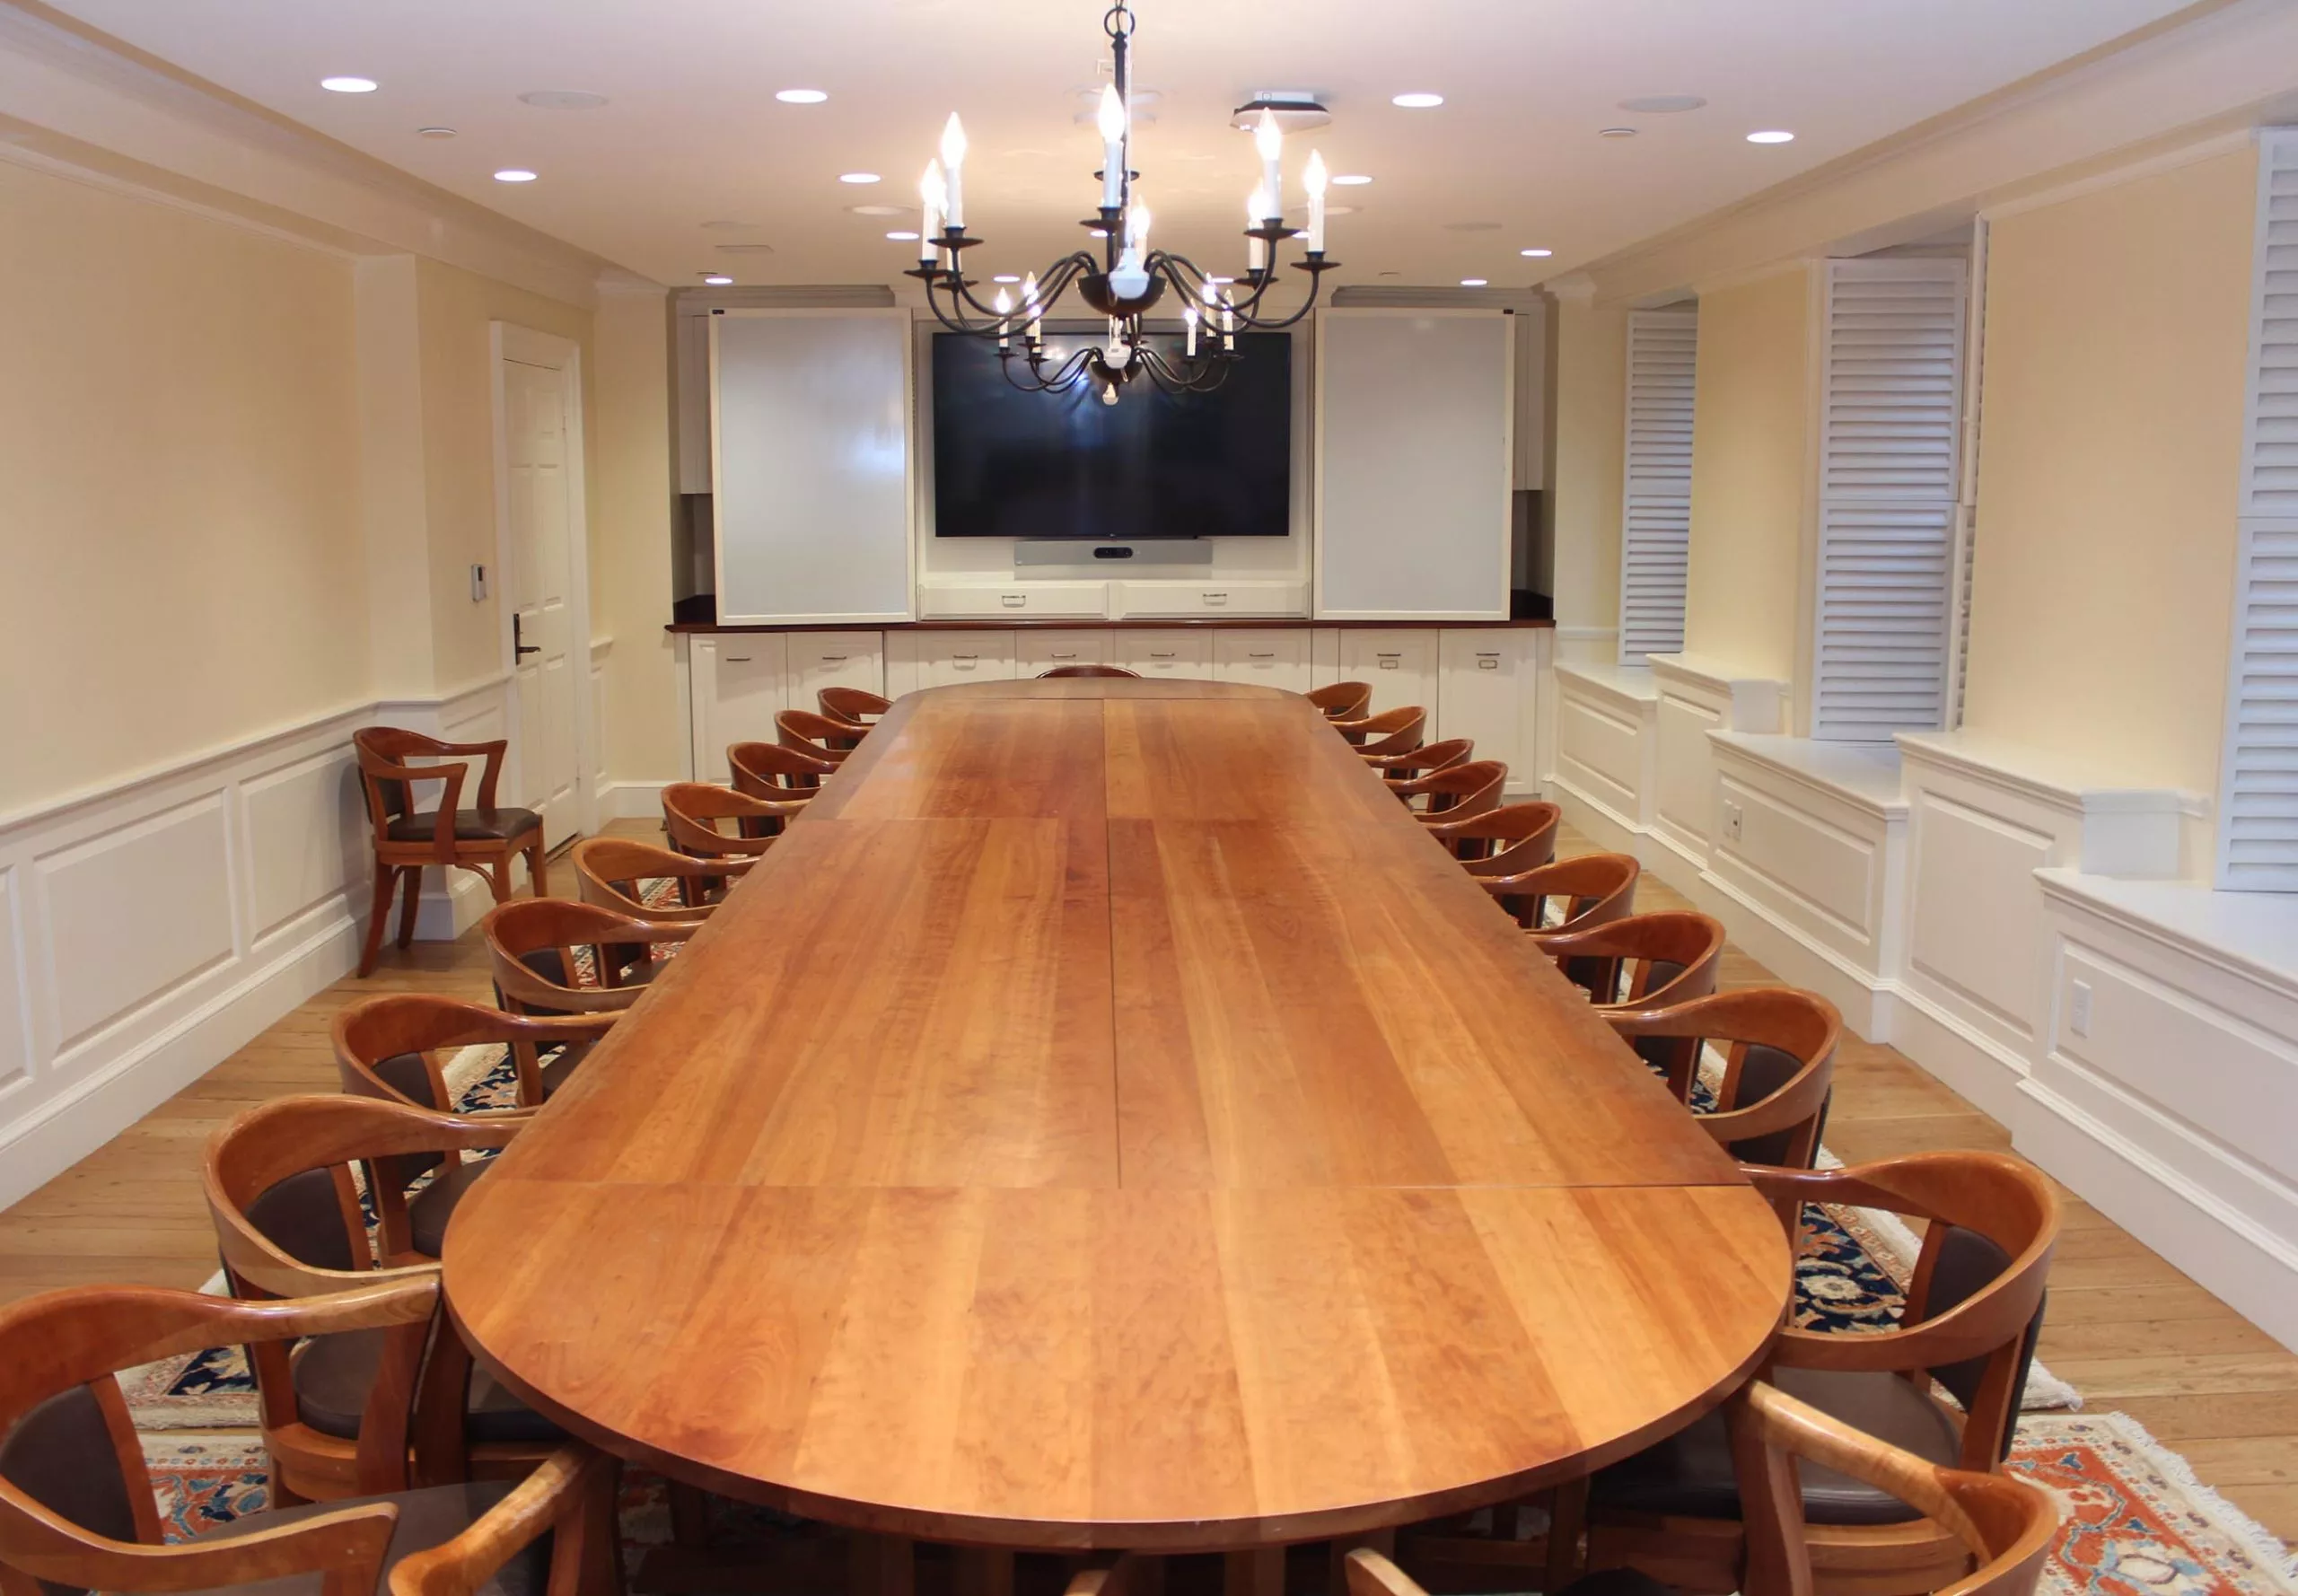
point(1050, 287)
point(954, 318)
point(1201, 375)
point(1066, 376)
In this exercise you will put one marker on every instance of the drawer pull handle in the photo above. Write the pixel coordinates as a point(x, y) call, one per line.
point(1013, 600)
point(1391, 653)
point(737, 659)
point(965, 656)
point(1065, 656)
point(1217, 598)
point(1488, 661)
point(833, 659)
point(1155, 655)
point(1262, 654)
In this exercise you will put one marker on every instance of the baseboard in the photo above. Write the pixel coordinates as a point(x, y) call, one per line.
point(74, 1123)
point(631, 800)
point(1598, 821)
point(1867, 1004)
point(2235, 1259)
point(1972, 1065)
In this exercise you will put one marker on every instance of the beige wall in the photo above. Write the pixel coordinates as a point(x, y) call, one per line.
point(1751, 474)
point(1585, 463)
point(180, 551)
point(2111, 418)
point(453, 308)
point(630, 531)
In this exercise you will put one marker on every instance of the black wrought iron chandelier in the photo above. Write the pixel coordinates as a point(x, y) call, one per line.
point(1128, 278)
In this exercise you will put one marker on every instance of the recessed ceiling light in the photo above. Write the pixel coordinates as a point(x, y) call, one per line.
point(1536, 254)
point(348, 85)
point(1353, 180)
point(857, 177)
point(799, 96)
point(515, 174)
point(1340, 210)
point(562, 99)
point(1772, 136)
point(716, 279)
point(903, 238)
point(1000, 278)
point(1419, 102)
point(1473, 282)
point(728, 224)
point(881, 210)
point(1664, 104)
point(1615, 133)
point(435, 132)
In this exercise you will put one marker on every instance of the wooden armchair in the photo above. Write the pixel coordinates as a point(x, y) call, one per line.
point(1505, 841)
point(813, 734)
point(1421, 760)
point(612, 873)
point(1455, 791)
point(484, 838)
point(552, 957)
point(1973, 1311)
point(1591, 890)
point(772, 770)
point(1060, 671)
point(1392, 731)
point(1778, 1048)
point(395, 1048)
point(692, 811)
point(77, 1510)
point(852, 707)
point(280, 1191)
point(1643, 961)
point(1343, 700)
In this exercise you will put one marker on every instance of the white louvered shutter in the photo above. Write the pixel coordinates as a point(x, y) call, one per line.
point(1655, 531)
point(1888, 440)
point(2258, 788)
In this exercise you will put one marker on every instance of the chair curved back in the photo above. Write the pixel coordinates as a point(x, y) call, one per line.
point(1392, 731)
point(1455, 791)
point(1778, 1046)
point(1643, 960)
point(775, 770)
point(1421, 760)
point(692, 811)
point(1086, 671)
point(1595, 889)
point(392, 1047)
point(76, 1503)
point(1501, 841)
point(531, 944)
point(1975, 1300)
point(814, 734)
point(609, 871)
point(1342, 700)
point(269, 1174)
point(851, 707)
point(2007, 1524)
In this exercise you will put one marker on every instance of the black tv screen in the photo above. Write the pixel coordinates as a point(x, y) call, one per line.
point(1013, 464)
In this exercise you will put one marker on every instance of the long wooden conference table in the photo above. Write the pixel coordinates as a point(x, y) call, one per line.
point(1107, 1121)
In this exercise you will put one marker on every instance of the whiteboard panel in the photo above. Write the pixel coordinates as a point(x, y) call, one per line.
point(810, 449)
point(1415, 454)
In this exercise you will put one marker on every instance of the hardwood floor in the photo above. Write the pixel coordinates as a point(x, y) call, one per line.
point(2124, 1327)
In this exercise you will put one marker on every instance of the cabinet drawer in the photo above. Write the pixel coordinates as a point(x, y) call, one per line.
point(1182, 654)
point(1274, 659)
point(1031, 599)
point(1208, 596)
point(1399, 664)
point(820, 659)
point(1035, 653)
point(1485, 693)
point(736, 685)
point(947, 658)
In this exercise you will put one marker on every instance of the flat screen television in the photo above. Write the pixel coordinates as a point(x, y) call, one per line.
point(1014, 464)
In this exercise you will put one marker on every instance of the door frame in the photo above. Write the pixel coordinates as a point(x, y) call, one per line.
point(507, 340)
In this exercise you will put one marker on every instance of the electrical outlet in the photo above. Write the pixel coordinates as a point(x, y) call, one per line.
point(1731, 822)
point(2078, 1008)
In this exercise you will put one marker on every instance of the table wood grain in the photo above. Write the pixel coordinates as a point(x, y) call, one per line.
point(1106, 1120)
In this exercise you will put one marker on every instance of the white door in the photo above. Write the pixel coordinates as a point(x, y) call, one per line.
point(538, 555)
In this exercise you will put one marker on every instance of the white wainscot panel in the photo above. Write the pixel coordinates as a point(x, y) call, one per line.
point(1696, 697)
point(133, 913)
point(15, 1021)
point(308, 839)
point(1605, 746)
point(1978, 913)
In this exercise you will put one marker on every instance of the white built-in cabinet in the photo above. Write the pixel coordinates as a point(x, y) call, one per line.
point(1477, 682)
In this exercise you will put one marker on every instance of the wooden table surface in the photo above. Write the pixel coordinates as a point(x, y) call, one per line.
point(1106, 1120)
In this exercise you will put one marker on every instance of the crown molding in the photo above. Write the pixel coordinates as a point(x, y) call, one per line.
point(76, 97)
point(2204, 70)
point(2202, 149)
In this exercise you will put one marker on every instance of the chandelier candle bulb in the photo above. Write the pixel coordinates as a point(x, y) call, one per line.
point(1188, 319)
point(1256, 211)
point(1313, 179)
point(1005, 321)
point(1030, 308)
point(931, 190)
point(953, 161)
point(1269, 138)
point(1112, 121)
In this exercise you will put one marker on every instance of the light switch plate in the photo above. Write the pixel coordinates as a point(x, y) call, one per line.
point(479, 585)
point(2078, 1008)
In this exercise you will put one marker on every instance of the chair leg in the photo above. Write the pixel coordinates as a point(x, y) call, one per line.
point(538, 872)
point(1567, 1518)
point(378, 912)
point(414, 873)
point(498, 872)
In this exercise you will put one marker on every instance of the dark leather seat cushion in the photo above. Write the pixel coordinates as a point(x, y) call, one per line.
point(471, 825)
point(1616, 1581)
point(426, 1518)
point(1689, 1474)
point(428, 1210)
point(333, 1375)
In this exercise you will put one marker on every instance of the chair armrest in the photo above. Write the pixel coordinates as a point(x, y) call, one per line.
point(573, 1493)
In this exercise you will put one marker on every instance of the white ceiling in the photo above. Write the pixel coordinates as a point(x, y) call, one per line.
point(693, 136)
